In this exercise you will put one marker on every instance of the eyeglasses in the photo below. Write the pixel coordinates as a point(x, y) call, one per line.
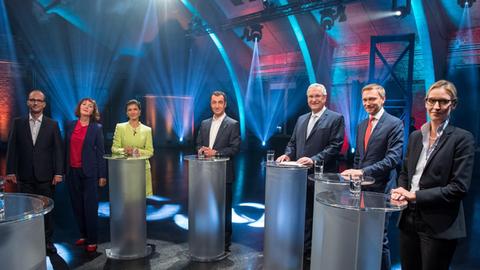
point(33, 100)
point(441, 102)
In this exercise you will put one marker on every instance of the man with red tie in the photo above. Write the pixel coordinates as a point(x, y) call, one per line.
point(379, 150)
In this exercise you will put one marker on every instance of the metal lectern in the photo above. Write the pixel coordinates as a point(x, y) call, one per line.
point(206, 208)
point(128, 226)
point(22, 235)
point(351, 229)
point(285, 195)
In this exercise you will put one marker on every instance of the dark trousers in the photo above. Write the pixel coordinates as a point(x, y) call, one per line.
point(45, 189)
point(418, 249)
point(228, 215)
point(307, 244)
point(84, 199)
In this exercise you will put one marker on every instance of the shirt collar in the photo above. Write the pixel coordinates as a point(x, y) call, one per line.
point(318, 114)
point(379, 114)
point(426, 128)
point(219, 118)
point(39, 119)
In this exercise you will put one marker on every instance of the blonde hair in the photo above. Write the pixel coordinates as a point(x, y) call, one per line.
point(375, 86)
point(449, 88)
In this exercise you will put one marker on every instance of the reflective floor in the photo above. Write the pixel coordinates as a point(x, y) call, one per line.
point(167, 221)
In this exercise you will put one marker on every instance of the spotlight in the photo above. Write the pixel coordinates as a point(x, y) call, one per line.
point(253, 32)
point(267, 4)
point(401, 7)
point(263, 143)
point(329, 15)
point(466, 3)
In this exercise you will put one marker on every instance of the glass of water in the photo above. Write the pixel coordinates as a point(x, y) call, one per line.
point(318, 168)
point(356, 184)
point(270, 156)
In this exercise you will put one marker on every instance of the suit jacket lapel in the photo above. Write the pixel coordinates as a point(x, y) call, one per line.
point(361, 137)
point(320, 120)
point(42, 129)
point(26, 124)
point(417, 149)
point(206, 134)
point(223, 125)
point(441, 142)
point(90, 132)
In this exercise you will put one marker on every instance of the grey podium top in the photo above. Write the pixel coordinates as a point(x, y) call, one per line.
point(19, 207)
point(290, 165)
point(123, 157)
point(367, 201)
point(205, 159)
point(338, 179)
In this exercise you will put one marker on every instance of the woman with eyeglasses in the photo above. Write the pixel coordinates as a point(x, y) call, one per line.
point(133, 138)
point(435, 177)
point(85, 169)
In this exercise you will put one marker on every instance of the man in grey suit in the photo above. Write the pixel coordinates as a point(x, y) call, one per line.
point(220, 135)
point(379, 150)
point(318, 135)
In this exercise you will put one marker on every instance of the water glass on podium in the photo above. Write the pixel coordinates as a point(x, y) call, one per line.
point(356, 184)
point(270, 156)
point(318, 168)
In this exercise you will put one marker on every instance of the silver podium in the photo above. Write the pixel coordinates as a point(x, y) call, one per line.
point(206, 208)
point(326, 182)
point(22, 235)
point(351, 229)
point(285, 195)
point(128, 226)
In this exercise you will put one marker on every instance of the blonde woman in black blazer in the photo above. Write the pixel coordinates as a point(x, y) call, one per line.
point(435, 177)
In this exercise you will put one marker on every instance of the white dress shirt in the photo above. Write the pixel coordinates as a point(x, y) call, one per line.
point(426, 152)
point(376, 118)
point(35, 126)
point(216, 122)
point(313, 120)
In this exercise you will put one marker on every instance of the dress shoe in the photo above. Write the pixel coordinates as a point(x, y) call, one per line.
point(80, 242)
point(51, 249)
point(91, 248)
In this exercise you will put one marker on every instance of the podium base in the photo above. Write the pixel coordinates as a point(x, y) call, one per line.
point(212, 259)
point(111, 254)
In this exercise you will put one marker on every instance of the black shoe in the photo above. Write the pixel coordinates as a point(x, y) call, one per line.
point(51, 249)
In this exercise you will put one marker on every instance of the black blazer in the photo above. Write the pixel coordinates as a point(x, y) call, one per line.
point(93, 164)
point(384, 151)
point(444, 181)
point(324, 142)
point(40, 162)
point(227, 142)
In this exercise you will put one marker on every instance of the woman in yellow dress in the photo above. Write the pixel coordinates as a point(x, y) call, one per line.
point(133, 138)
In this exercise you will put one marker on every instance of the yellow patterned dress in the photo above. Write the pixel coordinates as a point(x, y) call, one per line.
point(140, 138)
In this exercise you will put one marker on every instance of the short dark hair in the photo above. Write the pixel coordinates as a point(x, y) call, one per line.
point(220, 93)
point(133, 101)
point(95, 117)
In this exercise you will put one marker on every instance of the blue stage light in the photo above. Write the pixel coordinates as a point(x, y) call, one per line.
point(228, 64)
point(181, 221)
point(153, 212)
point(181, 139)
point(268, 105)
point(297, 30)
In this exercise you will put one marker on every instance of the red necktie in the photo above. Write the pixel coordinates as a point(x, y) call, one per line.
point(368, 132)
